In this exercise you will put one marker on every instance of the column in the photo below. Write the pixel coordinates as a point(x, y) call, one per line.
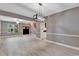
point(43, 33)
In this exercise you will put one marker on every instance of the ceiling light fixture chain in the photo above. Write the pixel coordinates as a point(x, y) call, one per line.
point(40, 9)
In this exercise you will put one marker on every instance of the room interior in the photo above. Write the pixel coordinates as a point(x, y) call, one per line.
point(39, 29)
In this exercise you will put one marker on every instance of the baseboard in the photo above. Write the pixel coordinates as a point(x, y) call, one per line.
point(70, 35)
point(64, 45)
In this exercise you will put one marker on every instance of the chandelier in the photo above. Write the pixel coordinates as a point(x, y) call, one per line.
point(39, 15)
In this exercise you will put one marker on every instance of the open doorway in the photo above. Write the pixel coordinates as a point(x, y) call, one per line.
point(25, 30)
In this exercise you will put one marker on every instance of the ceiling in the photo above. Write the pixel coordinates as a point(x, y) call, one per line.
point(29, 9)
point(49, 8)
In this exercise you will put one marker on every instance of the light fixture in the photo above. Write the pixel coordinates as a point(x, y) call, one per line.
point(17, 20)
point(39, 15)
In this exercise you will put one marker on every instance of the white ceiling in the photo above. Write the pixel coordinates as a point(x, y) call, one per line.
point(29, 9)
point(49, 8)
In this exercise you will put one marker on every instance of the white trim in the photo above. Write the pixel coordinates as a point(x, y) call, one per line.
point(63, 34)
point(64, 45)
point(61, 44)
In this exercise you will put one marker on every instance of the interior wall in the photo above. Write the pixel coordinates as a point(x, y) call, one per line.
point(35, 28)
point(4, 28)
point(0, 27)
point(38, 29)
point(4, 23)
point(63, 27)
point(32, 30)
point(8, 19)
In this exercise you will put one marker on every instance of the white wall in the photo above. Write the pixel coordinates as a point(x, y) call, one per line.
point(0, 26)
point(43, 35)
point(66, 22)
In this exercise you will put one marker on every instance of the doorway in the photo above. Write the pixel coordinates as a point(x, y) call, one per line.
point(25, 30)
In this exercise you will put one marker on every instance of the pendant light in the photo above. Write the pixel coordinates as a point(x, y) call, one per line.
point(39, 15)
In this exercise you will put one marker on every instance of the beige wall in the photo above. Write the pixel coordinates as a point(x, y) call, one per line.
point(66, 22)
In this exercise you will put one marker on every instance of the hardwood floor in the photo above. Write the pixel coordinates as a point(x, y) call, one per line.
point(34, 47)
